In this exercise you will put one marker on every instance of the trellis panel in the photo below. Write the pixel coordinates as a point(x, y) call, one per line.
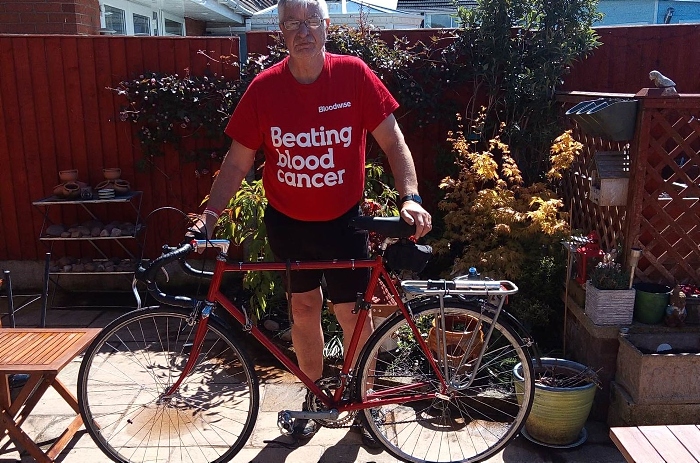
point(667, 204)
point(662, 214)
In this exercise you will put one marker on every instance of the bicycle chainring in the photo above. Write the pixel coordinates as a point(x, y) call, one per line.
point(313, 404)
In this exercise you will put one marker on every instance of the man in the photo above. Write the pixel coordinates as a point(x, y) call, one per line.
point(310, 113)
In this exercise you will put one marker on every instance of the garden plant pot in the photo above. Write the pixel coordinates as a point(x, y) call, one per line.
point(463, 340)
point(609, 306)
point(650, 302)
point(68, 175)
point(609, 118)
point(558, 414)
point(71, 190)
point(112, 173)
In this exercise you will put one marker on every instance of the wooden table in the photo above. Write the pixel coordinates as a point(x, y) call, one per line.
point(42, 353)
point(658, 444)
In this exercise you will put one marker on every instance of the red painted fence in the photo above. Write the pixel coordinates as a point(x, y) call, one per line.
point(58, 114)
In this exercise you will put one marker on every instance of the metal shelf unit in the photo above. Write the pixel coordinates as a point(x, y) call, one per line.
point(45, 205)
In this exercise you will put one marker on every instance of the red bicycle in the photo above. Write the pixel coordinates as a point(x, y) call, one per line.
point(433, 383)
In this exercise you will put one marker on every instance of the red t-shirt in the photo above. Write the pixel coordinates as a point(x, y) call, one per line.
point(313, 135)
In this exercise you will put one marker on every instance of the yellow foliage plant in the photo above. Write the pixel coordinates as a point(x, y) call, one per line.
point(491, 219)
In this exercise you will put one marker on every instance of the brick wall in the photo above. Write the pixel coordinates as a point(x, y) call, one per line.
point(80, 17)
point(194, 27)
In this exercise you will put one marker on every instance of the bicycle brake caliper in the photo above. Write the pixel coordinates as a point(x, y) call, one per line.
point(194, 315)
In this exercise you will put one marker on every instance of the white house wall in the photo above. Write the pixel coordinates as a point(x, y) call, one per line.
point(627, 12)
point(681, 11)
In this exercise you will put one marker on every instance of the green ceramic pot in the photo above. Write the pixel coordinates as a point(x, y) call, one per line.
point(650, 302)
point(558, 414)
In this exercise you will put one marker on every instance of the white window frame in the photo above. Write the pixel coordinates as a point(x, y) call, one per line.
point(130, 8)
point(170, 17)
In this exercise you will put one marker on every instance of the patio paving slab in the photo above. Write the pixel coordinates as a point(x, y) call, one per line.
point(264, 446)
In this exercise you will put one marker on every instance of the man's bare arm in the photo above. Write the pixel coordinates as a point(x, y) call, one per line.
point(391, 140)
point(236, 165)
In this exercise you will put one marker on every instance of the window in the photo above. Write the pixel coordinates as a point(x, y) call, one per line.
point(442, 21)
point(142, 25)
point(173, 27)
point(127, 17)
point(115, 19)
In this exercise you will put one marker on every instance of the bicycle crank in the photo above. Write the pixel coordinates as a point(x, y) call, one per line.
point(313, 403)
point(285, 418)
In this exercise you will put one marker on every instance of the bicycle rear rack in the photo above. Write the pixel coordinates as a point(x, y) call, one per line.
point(461, 286)
point(495, 292)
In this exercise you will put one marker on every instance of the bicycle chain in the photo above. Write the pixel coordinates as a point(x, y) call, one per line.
point(326, 384)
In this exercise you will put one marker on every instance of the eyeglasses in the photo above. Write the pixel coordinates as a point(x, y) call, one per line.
point(295, 24)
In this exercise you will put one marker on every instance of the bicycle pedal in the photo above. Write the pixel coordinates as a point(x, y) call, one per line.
point(285, 423)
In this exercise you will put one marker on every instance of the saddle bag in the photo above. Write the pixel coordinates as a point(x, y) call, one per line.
point(407, 255)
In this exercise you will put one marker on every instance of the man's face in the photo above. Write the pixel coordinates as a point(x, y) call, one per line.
point(306, 41)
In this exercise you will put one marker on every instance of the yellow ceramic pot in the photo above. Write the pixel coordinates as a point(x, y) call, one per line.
point(558, 414)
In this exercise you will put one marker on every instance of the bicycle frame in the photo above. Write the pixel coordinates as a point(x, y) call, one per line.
point(378, 271)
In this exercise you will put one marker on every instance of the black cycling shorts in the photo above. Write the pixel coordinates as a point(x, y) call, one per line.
point(292, 239)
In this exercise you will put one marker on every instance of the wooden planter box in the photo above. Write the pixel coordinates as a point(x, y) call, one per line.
point(609, 306)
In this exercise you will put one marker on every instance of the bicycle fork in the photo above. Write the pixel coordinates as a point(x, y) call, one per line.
point(202, 321)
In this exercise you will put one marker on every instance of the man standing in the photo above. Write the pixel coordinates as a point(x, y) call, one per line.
point(310, 113)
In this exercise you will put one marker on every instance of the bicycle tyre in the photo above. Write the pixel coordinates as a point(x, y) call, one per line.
point(478, 420)
point(134, 360)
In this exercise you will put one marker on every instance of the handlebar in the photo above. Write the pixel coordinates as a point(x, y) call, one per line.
point(147, 272)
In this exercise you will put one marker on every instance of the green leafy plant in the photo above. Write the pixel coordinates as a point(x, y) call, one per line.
point(242, 223)
point(516, 54)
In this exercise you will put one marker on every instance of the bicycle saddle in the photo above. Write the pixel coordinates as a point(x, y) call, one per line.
point(392, 227)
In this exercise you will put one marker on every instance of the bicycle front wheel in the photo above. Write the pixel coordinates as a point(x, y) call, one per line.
point(475, 414)
point(127, 370)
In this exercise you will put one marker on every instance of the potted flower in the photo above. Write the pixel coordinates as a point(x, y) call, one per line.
point(609, 298)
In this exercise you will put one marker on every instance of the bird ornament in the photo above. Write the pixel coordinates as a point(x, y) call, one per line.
point(661, 81)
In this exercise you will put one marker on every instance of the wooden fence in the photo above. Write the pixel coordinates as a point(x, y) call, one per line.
point(58, 114)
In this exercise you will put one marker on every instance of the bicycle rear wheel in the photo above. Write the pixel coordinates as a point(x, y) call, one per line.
point(467, 422)
point(130, 365)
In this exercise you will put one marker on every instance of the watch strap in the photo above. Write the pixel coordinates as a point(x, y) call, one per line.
point(412, 197)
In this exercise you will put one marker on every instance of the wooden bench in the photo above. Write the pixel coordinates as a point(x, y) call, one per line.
point(42, 353)
point(658, 444)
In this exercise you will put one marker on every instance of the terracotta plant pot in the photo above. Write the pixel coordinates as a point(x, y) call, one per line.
point(112, 173)
point(121, 186)
point(68, 175)
point(105, 184)
point(71, 190)
point(463, 341)
point(58, 190)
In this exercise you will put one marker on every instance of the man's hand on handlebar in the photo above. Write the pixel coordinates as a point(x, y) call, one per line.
point(414, 214)
point(201, 229)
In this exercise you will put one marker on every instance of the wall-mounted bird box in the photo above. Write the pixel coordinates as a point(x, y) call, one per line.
point(610, 177)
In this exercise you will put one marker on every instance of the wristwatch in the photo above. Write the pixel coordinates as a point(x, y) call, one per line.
point(412, 197)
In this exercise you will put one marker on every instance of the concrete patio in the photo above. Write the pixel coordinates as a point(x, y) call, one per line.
point(266, 445)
